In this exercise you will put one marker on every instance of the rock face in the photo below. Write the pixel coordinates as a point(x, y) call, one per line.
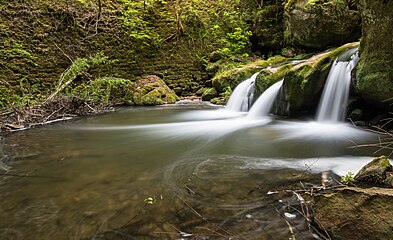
point(152, 90)
point(374, 72)
point(354, 213)
point(303, 83)
point(320, 23)
point(376, 171)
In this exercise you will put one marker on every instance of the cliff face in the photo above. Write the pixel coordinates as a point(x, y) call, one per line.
point(374, 72)
point(41, 39)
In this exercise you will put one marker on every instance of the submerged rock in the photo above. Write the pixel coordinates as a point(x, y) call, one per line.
point(320, 23)
point(152, 90)
point(375, 172)
point(374, 72)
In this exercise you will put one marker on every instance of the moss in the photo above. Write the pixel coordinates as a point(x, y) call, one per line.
point(209, 94)
point(108, 90)
point(7, 97)
point(232, 77)
point(303, 82)
point(266, 78)
point(375, 171)
point(152, 90)
point(374, 72)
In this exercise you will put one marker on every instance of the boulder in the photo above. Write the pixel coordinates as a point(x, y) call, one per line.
point(209, 94)
point(374, 72)
point(320, 23)
point(355, 213)
point(375, 171)
point(152, 90)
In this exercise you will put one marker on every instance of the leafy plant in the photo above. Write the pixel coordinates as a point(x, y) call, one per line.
point(348, 179)
point(104, 90)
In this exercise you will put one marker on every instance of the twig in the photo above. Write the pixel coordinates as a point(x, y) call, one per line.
point(90, 107)
point(50, 115)
point(64, 53)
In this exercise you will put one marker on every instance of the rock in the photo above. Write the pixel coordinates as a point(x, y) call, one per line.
point(209, 94)
point(377, 119)
point(227, 80)
point(320, 23)
point(389, 180)
point(152, 90)
point(374, 71)
point(303, 82)
point(375, 171)
point(356, 114)
point(355, 213)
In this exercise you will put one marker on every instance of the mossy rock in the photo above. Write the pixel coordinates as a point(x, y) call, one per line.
point(209, 94)
point(320, 23)
point(375, 171)
point(152, 90)
point(374, 72)
point(303, 83)
point(232, 77)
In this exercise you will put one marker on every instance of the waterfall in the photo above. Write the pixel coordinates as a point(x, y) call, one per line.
point(242, 96)
point(333, 104)
point(265, 102)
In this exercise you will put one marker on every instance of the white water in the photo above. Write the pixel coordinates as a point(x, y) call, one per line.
point(265, 102)
point(333, 104)
point(241, 97)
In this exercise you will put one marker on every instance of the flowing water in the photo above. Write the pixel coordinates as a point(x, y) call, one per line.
point(243, 95)
point(334, 101)
point(208, 178)
point(264, 103)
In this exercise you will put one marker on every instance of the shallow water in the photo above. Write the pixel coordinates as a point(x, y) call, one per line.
point(208, 171)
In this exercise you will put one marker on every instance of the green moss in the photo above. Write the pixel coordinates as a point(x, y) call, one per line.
point(303, 82)
point(209, 94)
point(7, 97)
point(106, 90)
point(231, 78)
point(152, 90)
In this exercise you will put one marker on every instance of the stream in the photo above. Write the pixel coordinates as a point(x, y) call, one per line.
point(182, 171)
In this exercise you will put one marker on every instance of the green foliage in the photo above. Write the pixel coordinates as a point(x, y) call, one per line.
point(7, 96)
point(105, 90)
point(11, 51)
point(236, 43)
point(348, 179)
point(137, 20)
point(81, 65)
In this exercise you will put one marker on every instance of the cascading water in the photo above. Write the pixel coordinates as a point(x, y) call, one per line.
point(333, 104)
point(265, 102)
point(242, 96)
